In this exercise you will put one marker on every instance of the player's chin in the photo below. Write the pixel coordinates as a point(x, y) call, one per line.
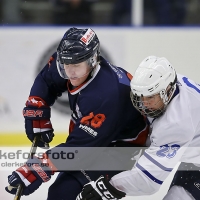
point(75, 82)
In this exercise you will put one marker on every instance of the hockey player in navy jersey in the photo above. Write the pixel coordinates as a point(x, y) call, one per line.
point(102, 113)
point(171, 103)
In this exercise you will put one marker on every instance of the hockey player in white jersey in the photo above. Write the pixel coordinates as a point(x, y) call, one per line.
point(171, 103)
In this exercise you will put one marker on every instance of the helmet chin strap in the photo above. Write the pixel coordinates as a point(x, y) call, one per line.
point(93, 60)
point(166, 97)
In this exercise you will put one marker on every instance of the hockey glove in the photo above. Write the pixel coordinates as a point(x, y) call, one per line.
point(31, 176)
point(37, 120)
point(101, 189)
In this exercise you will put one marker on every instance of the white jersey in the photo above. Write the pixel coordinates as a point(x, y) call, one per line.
point(175, 137)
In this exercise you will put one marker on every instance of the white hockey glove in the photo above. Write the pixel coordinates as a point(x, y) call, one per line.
point(101, 189)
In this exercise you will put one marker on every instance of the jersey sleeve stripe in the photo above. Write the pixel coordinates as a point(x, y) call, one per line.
point(148, 174)
point(157, 163)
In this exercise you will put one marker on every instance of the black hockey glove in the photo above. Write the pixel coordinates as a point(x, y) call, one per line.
point(101, 189)
point(37, 120)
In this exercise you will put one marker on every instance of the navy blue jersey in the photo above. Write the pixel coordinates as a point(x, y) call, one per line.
point(102, 111)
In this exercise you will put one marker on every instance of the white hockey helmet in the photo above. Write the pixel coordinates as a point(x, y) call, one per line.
point(153, 76)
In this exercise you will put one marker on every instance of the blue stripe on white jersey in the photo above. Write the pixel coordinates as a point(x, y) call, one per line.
point(153, 169)
point(148, 174)
point(157, 163)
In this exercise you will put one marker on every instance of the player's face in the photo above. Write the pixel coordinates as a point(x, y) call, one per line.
point(77, 73)
point(153, 102)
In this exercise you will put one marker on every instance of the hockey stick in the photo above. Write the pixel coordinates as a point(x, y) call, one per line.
point(32, 152)
point(86, 175)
